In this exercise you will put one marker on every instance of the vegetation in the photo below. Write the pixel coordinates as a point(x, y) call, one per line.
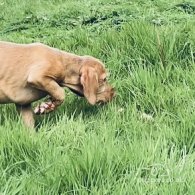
point(141, 143)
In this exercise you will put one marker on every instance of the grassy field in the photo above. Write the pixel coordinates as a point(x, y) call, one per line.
point(141, 143)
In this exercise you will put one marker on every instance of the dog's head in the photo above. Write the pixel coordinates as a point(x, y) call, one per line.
point(93, 83)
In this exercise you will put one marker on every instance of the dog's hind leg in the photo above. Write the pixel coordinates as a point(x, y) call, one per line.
point(25, 111)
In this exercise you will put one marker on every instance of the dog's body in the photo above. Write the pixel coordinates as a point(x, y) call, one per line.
point(29, 72)
point(19, 63)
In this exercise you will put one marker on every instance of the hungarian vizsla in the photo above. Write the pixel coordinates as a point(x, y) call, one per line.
point(29, 72)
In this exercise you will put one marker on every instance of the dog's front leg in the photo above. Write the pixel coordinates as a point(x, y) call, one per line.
point(53, 89)
point(25, 111)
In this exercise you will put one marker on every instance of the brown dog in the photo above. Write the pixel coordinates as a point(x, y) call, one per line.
point(29, 72)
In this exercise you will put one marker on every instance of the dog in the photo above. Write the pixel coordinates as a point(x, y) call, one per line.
point(29, 72)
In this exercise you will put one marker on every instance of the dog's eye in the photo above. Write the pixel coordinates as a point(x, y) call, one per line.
point(105, 80)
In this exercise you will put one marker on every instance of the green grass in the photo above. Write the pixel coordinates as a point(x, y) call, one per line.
point(141, 143)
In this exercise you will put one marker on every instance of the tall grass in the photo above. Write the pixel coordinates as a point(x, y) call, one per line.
point(143, 141)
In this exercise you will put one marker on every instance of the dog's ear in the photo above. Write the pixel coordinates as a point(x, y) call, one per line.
point(89, 81)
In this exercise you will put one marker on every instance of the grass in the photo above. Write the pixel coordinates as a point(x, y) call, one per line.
point(141, 143)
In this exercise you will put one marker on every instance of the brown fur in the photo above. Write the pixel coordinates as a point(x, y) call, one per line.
point(29, 72)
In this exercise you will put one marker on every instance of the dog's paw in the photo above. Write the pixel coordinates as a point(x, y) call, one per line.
point(44, 107)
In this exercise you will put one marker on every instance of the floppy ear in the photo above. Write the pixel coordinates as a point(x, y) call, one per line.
point(89, 81)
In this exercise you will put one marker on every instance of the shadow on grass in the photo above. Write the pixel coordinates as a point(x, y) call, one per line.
point(74, 109)
point(7, 113)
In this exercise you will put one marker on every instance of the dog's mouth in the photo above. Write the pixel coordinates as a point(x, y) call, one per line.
point(105, 94)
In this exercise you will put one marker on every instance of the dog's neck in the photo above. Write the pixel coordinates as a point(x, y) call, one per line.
point(71, 62)
point(72, 67)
